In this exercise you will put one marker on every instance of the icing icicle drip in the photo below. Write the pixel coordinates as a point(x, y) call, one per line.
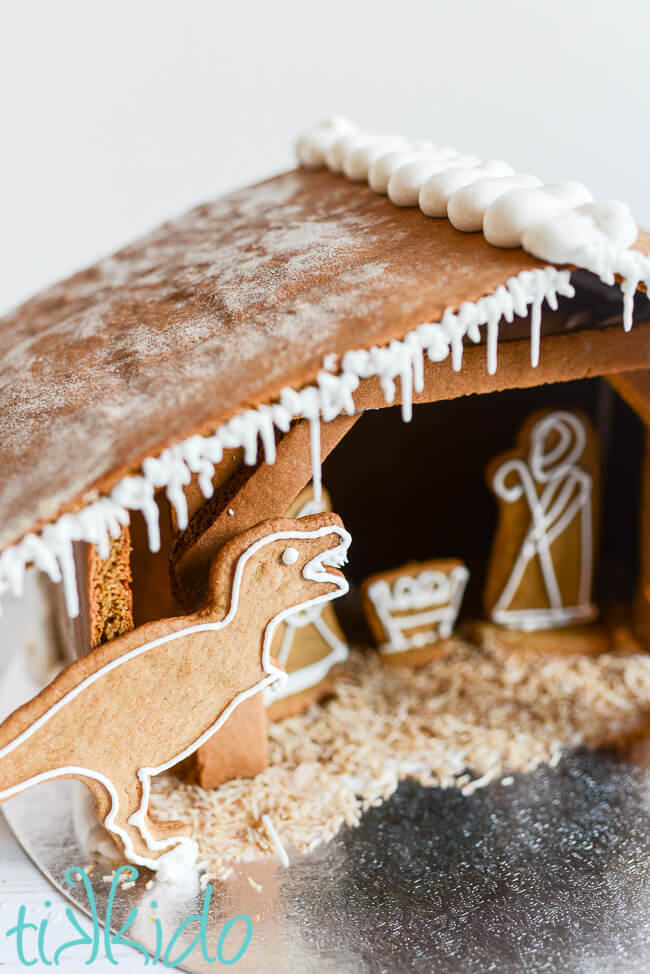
point(558, 222)
point(331, 395)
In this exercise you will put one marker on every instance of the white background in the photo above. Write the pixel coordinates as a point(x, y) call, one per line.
point(115, 114)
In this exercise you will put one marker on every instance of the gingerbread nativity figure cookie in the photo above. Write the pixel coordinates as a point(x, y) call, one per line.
point(541, 569)
point(412, 611)
point(309, 644)
point(165, 416)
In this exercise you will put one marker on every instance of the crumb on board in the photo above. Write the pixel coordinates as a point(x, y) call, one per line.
point(275, 841)
point(256, 886)
point(124, 881)
point(478, 715)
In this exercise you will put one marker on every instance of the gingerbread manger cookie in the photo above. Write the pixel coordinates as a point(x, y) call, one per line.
point(412, 611)
point(213, 365)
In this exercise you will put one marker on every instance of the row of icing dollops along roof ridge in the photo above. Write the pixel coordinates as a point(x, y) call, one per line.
point(558, 222)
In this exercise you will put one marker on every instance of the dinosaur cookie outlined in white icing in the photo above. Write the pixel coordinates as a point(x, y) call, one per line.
point(116, 821)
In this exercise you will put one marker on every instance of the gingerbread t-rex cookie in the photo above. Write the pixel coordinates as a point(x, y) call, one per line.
point(140, 703)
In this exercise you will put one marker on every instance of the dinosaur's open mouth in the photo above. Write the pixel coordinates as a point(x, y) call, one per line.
point(331, 557)
point(337, 557)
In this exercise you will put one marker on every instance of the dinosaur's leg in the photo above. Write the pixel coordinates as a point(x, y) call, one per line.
point(152, 831)
point(101, 798)
point(112, 802)
point(116, 802)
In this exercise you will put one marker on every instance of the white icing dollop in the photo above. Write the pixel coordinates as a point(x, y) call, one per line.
point(342, 146)
point(570, 192)
point(177, 862)
point(516, 210)
point(592, 224)
point(389, 162)
point(358, 160)
point(437, 191)
point(614, 219)
point(467, 206)
point(404, 185)
point(312, 145)
point(289, 556)
point(406, 182)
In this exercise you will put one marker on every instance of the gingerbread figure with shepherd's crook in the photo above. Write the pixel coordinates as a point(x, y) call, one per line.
point(541, 568)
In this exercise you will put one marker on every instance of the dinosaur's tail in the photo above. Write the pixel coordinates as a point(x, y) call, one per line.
point(24, 760)
point(18, 772)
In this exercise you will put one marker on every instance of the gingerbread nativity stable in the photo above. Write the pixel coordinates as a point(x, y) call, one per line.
point(168, 400)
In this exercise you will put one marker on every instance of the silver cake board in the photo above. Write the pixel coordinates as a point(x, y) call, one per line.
point(549, 874)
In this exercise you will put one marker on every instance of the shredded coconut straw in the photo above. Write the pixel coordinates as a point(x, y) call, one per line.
point(464, 721)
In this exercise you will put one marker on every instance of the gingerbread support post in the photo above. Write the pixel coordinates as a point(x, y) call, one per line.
point(241, 747)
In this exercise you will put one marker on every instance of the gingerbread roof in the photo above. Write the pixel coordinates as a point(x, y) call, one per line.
point(217, 312)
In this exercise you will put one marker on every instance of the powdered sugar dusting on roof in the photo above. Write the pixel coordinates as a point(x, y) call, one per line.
point(156, 327)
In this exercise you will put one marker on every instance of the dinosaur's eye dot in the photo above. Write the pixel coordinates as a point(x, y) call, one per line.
point(289, 556)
